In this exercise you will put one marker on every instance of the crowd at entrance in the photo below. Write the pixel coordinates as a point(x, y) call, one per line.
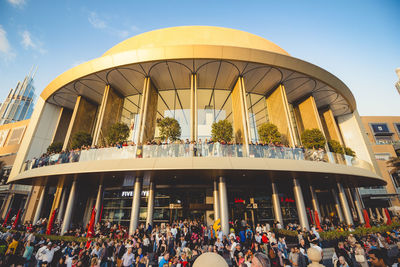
point(180, 243)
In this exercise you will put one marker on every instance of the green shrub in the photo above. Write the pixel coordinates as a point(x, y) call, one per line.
point(80, 139)
point(335, 147)
point(348, 151)
point(313, 139)
point(169, 129)
point(222, 131)
point(118, 133)
point(268, 132)
point(55, 147)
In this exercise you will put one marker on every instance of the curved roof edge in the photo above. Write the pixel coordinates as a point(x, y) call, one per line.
point(195, 35)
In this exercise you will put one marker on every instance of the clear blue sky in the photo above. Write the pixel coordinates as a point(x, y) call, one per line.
point(358, 41)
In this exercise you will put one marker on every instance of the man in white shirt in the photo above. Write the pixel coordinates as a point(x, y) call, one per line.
point(128, 259)
point(174, 231)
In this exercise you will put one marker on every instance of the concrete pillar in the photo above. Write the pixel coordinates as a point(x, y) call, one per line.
point(69, 209)
point(109, 113)
point(279, 113)
point(276, 204)
point(39, 206)
point(61, 210)
point(82, 119)
point(301, 208)
point(216, 201)
point(239, 113)
point(99, 201)
point(57, 196)
point(193, 107)
point(345, 204)
point(358, 204)
point(150, 205)
point(315, 202)
point(337, 205)
point(148, 111)
point(133, 224)
point(330, 127)
point(223, 203)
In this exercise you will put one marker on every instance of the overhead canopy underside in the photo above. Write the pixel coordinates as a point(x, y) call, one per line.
point(215, 74)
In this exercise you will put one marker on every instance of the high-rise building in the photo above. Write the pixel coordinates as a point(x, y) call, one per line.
point(19, 104)
point(398, 82)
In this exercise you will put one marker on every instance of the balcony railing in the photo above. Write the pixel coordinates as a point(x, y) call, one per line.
point(199, 150)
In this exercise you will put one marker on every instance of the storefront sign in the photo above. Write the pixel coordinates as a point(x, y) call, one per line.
point(239, 200)
point(287, 200)
point(175, 206)
point(130, 193)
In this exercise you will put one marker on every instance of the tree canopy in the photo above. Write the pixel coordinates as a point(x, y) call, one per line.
point(268, 132)
point(335, 147)
point(313, 139)
point(80, 139)
point(118, 133)
point(55, 147)
point(222, 131)
point(169, 129)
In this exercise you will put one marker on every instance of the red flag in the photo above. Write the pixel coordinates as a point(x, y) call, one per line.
point(90, 231)
point(317, 220)
point(6, 219)
point(16, 220)
point(366, 218)
point(310, 214)
point(389, 221)
point(51, 222)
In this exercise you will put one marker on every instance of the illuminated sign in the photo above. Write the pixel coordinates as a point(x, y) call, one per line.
point(287, 200)
point(239, 200)
point(130, 193)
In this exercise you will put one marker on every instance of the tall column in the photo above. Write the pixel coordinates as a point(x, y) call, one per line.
point(57, 196)
point(307, 115)
point(109, 113)
point(276, 204)
point(314, 201)
point(82, 119)
point(239, 111)
point(133, 224)
point(69, 208)
point(39, 206)
point(337, 205)
point(301, 208)
point(330, 127)
point(150, 205)
point(279, 113)
point(345, 204)
point(216, 201)
point(99, 200)
point(61, 210)
point(193, 107)
point(223, 203)
point(148, 111)
point(358, 204)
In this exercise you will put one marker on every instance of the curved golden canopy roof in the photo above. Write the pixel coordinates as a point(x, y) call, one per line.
point(195, 35)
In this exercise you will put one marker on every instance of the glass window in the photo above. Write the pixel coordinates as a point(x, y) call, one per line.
point(382, 156)
point(257, 110)
point(397, 127)
point(380, 128)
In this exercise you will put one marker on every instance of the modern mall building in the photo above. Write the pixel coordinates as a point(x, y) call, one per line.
point(198, 75)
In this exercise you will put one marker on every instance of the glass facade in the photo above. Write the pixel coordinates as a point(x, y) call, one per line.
point(19, 104)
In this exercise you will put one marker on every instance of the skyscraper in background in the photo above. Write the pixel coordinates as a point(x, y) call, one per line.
point(19, 103)
point(398, 82)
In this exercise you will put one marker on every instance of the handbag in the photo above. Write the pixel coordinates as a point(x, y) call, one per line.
point(360, 258)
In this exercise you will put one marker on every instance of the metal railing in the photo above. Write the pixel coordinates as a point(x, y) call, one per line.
point(198, 150)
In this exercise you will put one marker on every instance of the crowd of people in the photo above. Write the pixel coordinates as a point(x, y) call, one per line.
point(181, 148)
point(181, 242)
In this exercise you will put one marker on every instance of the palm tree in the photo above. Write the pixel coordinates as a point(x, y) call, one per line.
point(394, 162)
